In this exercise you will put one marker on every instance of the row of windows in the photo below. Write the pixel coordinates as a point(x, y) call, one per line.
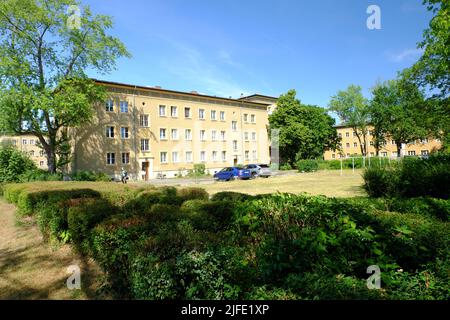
point(31, 142)
point(355, 144)
point(176, 156)
point(214, 115)
point(370, 133)
point(145, 145)
point(32, 153)
point(163, 134)
point(385, 154)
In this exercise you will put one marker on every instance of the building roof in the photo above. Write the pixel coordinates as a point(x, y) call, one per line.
point(257, 95)
point(192, 94)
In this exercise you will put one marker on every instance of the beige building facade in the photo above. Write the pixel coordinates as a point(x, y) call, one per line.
point(350, 146)
point(153, 132)
point(30, 145)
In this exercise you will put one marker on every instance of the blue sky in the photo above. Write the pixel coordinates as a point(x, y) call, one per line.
point(230, 47)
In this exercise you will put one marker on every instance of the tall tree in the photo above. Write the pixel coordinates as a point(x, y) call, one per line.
point(46, 46)
point(352, 108)
point(305, 131)
point(397, 110)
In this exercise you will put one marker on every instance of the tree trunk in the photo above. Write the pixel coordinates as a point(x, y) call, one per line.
point(399, 148)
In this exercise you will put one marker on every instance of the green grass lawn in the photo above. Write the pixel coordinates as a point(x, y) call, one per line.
point(328, 183)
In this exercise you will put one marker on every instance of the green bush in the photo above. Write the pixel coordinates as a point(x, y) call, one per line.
point(13, 164)
point(231, 196)
point(40, 175)
point(411, 178)
point(205, 215)
point(192, 193)
point(307, 165)
point(90, 176)
point(286, 166)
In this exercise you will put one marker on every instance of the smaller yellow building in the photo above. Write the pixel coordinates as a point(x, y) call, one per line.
point(350, 146)
point(30, 145)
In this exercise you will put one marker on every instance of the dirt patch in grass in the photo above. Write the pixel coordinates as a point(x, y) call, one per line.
point(32, 269)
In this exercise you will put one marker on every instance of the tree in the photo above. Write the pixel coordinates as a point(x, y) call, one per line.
point(305, 131)
point(397, 110)
point(352, 108)
point(13, 163)
point(433, 68)
point(43, 61)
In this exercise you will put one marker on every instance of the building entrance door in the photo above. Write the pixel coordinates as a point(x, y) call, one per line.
point(145, 167)
point(235, 161)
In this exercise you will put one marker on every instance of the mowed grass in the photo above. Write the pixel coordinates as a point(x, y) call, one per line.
point(328, 183)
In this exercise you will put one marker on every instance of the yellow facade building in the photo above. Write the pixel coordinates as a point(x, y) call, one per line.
point(30, 145)
point(153, 132)
point(350, 146)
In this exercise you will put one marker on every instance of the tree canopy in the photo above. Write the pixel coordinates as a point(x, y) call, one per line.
point(305, 131)
point(43, 61)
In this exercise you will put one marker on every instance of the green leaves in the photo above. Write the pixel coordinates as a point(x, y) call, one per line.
point(305, 131)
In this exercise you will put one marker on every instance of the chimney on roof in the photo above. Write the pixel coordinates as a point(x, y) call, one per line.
point(194, 92)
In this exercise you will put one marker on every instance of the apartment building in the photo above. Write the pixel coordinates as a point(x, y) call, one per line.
point(350, 146)
point(150, 132)
point(30, 145)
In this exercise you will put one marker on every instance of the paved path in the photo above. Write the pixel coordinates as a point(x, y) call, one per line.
point(32, 269)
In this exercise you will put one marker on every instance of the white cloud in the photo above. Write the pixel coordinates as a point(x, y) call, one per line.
point(405, 55)
point(191, 65)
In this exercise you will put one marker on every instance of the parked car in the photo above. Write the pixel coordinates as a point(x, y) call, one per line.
point(230, 173)
point(259, 170)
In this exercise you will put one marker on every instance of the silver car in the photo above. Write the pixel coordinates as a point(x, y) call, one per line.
point(259, 170)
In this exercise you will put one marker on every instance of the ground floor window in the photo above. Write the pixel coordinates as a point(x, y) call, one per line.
point(110, 158)
point(125, 157)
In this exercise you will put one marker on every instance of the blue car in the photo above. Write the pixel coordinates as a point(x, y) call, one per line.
point(230, 173)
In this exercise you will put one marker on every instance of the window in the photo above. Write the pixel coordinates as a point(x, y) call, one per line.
point(32, 153)
point(213, 115)
point(222, 115)
point(234, 125)
point(370, 133)
point(245, 117)
point(255, 156)
point(163, 157)
point(123, 106)
point(187, 112)
point(201, 113)
point(173, 111)
point(423, 141)
point(188, 156)
point(252, 118)
point(393, 142)
point(235, 144)
point(202, 156)
point(162, 134)
point(174, 134)
point(371, 143)
point(214, 135)
point(41, 153)
point(202, 135)
point(187, 134)
point(347, 145)
point(143, 121)
point(162, 111)
point(145, 144)
point(354, 133)
point(224, 155)
point(214, 155)
point(109, 106)
point(14, 142)
point(32, 142)
point(411, 153)
point(41, 163)
point(246, 155)
point(340, 135)
point(372, 154)
point(394, 153)
point(254, 136)
point(175, 157)
point(24, 141)
point(124, 132)
point(246, 136)
point(347, 134)
point(222, 135)
point(424, 152)
point(125, 157)
point(384, 154)
point(110, 158)
point(110, 132)
point(355, 144)
point(333, 156)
